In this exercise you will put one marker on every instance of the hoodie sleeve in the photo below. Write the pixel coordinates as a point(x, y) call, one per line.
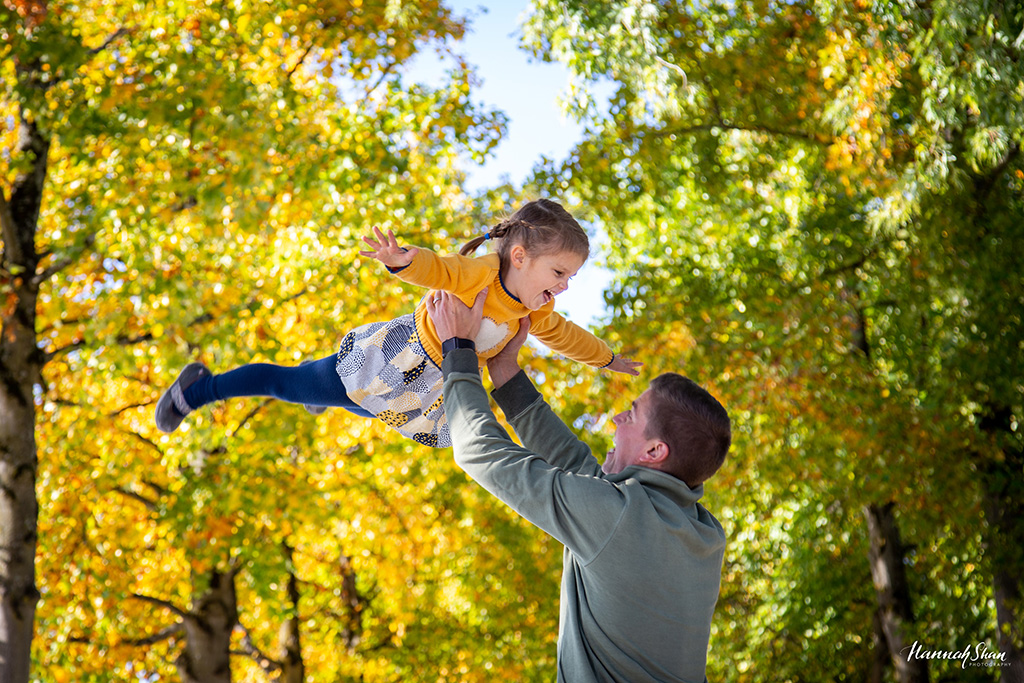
point(452, 272)
point(579, 510)
point(568, 338)
point(540, 430)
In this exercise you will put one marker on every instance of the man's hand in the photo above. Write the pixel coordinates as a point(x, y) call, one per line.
point(505, 365)
point(452, 318)
point(386, 250)
point(625, 365)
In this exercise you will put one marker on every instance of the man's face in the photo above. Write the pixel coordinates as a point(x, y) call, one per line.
point(630, 443)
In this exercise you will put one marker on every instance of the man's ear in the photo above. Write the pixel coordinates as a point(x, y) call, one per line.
point(656, 453)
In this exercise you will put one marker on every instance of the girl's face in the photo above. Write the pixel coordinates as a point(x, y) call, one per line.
point(536, 280)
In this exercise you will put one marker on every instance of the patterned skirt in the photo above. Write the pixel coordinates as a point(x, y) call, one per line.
point(386, 371)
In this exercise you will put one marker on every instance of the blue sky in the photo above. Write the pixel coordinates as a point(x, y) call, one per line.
point(528, 91)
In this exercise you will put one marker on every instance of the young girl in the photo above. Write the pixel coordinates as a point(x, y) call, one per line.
point(392, 370)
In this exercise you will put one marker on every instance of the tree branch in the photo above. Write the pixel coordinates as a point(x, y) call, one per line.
point(252, 413)
point(43, 331)
point(122, 340)
point(45, 274)
point(369, 91)
point(161, 603)
point(110, 39)
point(128, 407)
point(305, 54)
point(47, 357)
point(160, 636)
point(828, 273)
point(149, 504)
point(160, 490)
point(249, 649)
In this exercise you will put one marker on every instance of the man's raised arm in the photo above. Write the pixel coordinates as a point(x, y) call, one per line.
point(544, 487)
point(540, 430)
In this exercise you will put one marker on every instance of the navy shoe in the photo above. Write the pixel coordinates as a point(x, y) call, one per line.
point(171, 409)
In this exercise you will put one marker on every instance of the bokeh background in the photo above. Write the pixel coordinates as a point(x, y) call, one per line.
point(815, 209)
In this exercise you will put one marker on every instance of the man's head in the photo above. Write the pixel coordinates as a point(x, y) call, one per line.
point(675, 427)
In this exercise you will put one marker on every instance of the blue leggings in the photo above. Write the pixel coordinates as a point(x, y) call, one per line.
point(316, 383)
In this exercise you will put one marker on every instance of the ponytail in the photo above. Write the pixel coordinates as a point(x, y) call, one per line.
point(496, 233)
point(472, 245)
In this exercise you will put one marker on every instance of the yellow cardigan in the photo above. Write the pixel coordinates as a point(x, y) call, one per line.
point(465, 276)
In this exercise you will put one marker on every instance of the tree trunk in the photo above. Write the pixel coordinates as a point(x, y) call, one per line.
point(894, 606)
point(1003, 483)
point(208, 628)
point(1007, 593)
point(293, 668)
point(354, 602)
point(20, 367)
point(880, 660)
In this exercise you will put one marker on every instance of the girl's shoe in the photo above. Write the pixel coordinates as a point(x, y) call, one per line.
point(171, 409)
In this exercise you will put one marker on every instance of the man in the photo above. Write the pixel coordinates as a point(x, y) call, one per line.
point(643, 559)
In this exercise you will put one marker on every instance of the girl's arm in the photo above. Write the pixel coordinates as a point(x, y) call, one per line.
point(571, 340)
point(462, 275)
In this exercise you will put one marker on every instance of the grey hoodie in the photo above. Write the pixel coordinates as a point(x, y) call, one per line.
point(643, 559)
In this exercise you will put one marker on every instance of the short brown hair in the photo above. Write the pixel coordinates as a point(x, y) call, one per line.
point(692, 423)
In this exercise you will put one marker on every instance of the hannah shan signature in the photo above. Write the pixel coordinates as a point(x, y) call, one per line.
point(979, 655)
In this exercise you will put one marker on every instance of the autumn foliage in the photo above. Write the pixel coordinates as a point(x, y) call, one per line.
point(813, 209)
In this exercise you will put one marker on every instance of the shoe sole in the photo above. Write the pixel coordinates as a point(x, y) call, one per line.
point(167, 416)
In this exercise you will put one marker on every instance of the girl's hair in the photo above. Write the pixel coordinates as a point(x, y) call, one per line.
point(541, 226)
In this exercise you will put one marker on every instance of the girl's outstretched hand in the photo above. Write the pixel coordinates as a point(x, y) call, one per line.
point(625, 365)
point(386, 250)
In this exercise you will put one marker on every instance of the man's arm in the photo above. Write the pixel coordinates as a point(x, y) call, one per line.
point(540, 430)
point(580, 511)
point(538, 427)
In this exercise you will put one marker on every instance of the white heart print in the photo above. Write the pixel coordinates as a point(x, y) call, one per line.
point(490, 335)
